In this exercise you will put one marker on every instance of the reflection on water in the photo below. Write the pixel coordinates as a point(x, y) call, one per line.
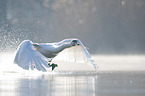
point(59, 86)
point(98, 84)
point(46, 85)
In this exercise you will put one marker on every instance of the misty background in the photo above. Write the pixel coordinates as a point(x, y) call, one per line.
point(104, 26)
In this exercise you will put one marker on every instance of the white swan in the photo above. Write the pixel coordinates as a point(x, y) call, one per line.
point(31, 55)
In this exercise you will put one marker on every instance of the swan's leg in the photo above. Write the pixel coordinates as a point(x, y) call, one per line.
point(49, 62)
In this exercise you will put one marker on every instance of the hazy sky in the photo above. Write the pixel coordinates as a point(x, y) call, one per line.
point(104, 26)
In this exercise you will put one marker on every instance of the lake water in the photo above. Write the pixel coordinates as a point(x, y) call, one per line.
point(97, 84)
point(15, 81)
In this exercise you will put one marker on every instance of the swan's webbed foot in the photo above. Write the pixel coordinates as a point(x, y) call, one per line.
point(53, 66)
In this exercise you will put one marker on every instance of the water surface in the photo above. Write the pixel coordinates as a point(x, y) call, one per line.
point(114, 78)
point(97, 84)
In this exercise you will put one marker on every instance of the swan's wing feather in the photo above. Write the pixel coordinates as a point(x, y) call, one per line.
point(89, 58)
point(27, 57)
point(77, 54)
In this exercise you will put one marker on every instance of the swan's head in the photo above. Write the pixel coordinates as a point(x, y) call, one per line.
point(74, 43)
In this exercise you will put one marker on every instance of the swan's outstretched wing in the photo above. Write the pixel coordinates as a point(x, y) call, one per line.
point(77, 54)
point(27, 57)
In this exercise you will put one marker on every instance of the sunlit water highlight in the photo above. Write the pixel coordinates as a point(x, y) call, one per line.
point(117, 76)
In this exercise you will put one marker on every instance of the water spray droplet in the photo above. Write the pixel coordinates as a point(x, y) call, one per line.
point(123, 2)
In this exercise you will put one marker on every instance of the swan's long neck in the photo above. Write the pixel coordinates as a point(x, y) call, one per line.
point(63, 46)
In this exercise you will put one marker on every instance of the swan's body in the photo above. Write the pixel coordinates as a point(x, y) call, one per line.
point(34, 55)
point(50, 50)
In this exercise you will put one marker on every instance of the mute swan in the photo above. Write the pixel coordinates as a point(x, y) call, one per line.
point(31, 55)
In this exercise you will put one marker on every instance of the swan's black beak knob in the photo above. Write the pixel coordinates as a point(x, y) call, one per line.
point(75, 42)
